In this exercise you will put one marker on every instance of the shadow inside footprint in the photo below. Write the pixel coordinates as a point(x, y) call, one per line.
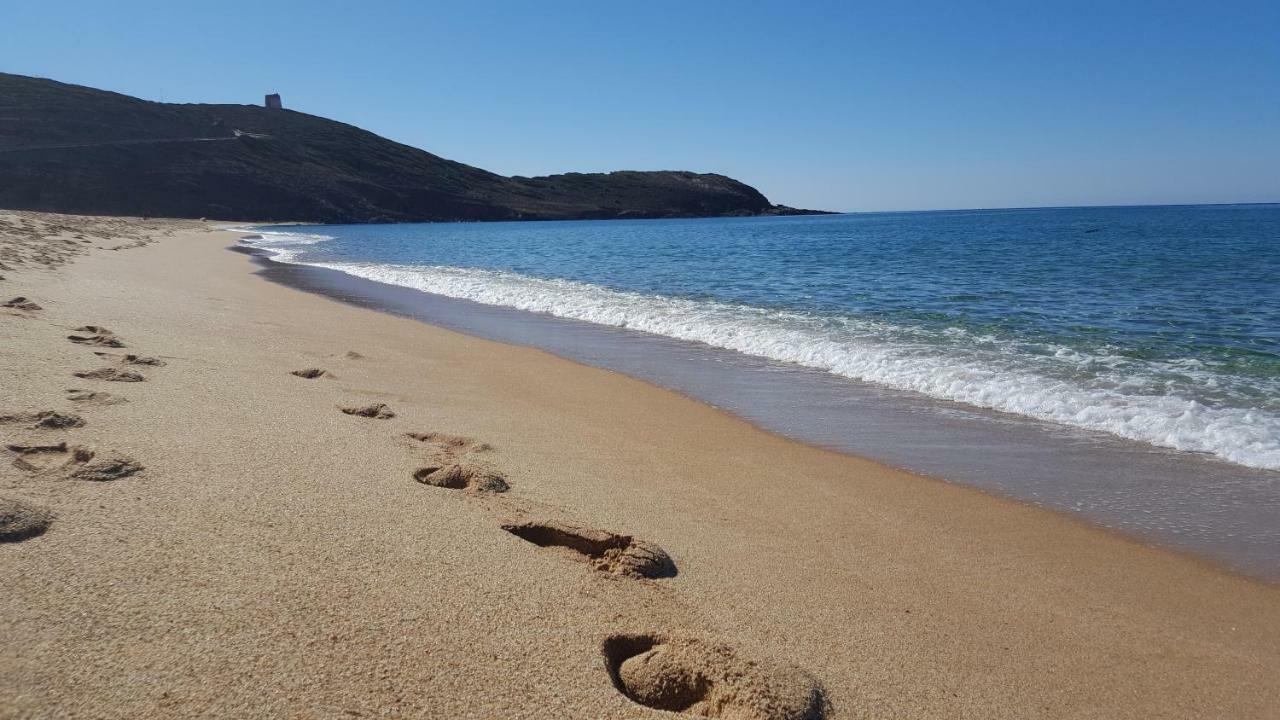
point(377, 411)
point(45, 420)
point(450, 443)
point(39, 458)
point(693, 677)
point(107, 470)
point(131, 359)
point(111, 375)
point(97, 335)
point(91, 397)
point(21, 303)
point(462, 477)
point(605, 551)
point(20, 520)
point(309, 373)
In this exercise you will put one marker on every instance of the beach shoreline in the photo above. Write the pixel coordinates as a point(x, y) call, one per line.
point(1211, 508)
point(276, 556)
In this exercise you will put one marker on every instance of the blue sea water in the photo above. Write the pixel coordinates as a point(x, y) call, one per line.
point(1155, 324)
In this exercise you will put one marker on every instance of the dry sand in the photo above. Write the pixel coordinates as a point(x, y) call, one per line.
point(226, 542)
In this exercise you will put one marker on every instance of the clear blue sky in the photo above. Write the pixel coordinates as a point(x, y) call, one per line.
point(846, 106)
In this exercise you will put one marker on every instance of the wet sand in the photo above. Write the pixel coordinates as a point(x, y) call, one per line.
point(492, 531)
point(1189, 502)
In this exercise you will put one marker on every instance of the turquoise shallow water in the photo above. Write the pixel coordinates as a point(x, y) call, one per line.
point(1155, 324)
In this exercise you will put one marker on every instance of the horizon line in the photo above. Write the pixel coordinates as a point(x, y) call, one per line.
point(1055, 207)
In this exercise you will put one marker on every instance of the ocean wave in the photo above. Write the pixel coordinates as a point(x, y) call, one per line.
point(282, 245)
point(1003, 378)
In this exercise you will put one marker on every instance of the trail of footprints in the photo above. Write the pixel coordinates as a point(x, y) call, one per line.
point(674, 673)
point(666, 672)
point(21, 520)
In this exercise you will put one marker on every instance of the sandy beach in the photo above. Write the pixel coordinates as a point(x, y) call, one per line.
point(222, 497)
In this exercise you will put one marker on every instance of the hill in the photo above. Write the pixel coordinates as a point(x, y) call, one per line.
point(68, 148)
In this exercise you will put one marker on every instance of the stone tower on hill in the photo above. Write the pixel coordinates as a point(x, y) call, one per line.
point(273, 102)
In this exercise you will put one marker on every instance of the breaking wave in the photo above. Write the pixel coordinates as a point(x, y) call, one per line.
point(1057, 384)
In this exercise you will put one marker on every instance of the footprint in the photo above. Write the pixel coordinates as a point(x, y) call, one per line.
point(98, 335)
point(131, 359)
point(40, 458)
point(20, 520)
point(92, 397)
point(450, 443)
point(615, 554)
point(377, 411)
point(462, 477)
point(21, 303)
point(45, 419)
point(310, 373)
point(353, 355)
point(693, 677)
point(106, 470)
point(111, 375)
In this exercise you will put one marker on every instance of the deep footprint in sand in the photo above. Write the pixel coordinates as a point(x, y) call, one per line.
point(603, 550)
point(96, 335)
point(44, 420)
point(455, 476)
point(21, 303)
point(450, 444)
point(131, 359)
point(377, 411)
point(107, 470)
point(694, 677)
point(42, 458)
point(93, 397)
point(111, 374)
point(20, 520)
point(311, 373)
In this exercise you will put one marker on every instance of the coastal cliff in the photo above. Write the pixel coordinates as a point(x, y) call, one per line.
point(68, 148)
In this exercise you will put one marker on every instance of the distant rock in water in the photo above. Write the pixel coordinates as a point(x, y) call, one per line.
point(67, 148)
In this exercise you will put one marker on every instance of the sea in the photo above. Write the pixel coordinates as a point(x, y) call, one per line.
point(1120, 363)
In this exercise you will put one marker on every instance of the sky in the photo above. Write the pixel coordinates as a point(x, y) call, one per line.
point(845, 106)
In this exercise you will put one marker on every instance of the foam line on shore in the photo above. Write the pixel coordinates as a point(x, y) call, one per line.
point(855, 349)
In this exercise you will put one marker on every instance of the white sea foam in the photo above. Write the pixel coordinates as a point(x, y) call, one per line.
point(283, 246)
point(1001, 378)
